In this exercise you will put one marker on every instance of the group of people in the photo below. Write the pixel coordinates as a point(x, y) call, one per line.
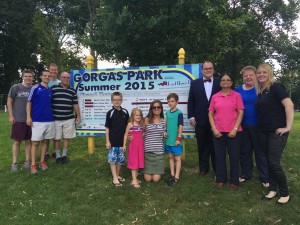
point(40, 113)
point(254, 117)
point(146, 136)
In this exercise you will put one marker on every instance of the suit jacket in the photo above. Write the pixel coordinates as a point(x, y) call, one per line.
point(197, 102)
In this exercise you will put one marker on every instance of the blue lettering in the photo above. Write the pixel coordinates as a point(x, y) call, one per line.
point(86, 77)
point(139, 75)
point(94, 77)
point(157, 73)
point(148, 74)
point(77, 77)
point(119, 75)
point(130, 74)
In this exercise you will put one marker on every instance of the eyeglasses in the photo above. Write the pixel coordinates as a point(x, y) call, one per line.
point(65, 77)
point(226, 80)
point(156, 107)
point(210, 68)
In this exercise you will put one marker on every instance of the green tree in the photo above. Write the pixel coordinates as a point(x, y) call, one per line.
point(56, 36)
point(18, 40)
point(232, 33)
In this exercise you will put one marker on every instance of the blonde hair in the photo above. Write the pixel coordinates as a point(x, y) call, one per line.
point(134, 110)
point(261, 87)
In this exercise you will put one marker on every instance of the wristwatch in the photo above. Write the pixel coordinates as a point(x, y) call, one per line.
point(235, 128)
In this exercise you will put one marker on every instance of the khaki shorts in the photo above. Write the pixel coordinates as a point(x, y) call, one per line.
point(65, 129)
point(42, 131)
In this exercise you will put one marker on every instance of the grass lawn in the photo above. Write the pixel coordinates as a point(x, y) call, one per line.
point(82, 192)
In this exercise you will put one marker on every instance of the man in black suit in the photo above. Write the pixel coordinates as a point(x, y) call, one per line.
point(201, 91)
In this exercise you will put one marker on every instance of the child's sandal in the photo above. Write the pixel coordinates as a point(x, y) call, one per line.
point(121, 179)
point(117, 184)
point(136, 185)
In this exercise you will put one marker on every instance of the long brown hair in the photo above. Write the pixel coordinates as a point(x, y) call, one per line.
point(150, 115)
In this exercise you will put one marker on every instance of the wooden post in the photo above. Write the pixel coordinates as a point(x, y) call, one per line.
point(91, 139)
point(181, 61)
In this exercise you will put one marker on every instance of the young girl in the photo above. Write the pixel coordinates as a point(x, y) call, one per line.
point(136, 145)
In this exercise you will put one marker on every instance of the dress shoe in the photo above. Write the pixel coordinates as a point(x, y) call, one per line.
point(233, 187)
point(219, 184)
point(283, 203)
point(268, 199)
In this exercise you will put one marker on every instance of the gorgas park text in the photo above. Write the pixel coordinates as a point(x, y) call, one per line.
point(118, 76)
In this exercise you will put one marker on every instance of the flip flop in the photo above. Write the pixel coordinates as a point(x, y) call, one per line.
point(117, 184)
point(121, 179)
point(135, 185)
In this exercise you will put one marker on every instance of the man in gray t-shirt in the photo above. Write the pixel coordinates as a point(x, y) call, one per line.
point(16, 105)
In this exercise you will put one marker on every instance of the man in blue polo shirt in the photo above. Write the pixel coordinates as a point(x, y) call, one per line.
point(40, 118)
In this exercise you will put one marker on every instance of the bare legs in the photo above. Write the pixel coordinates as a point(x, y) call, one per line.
point(172, 160)
point(35, 145)
point(115, 171)
point(16, 150)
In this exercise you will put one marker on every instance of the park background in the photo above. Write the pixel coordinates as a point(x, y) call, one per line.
point(232, 33)
point(82, 192)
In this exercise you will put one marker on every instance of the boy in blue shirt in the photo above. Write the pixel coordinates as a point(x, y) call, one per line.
point(174, 125)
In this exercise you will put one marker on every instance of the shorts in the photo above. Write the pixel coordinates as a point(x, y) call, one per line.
point(20, 131)
point(175, 150)
point(116, 156)
point(42, 131)
point(65, 129)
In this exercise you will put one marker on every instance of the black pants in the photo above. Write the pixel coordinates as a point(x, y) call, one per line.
point(274, 145)
point(251, 141)
point(232, 145)
point(205, 147)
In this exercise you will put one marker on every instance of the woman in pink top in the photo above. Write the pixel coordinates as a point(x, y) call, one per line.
point(225, 115)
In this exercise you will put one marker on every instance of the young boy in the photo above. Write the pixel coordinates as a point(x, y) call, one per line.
point(174, 125)
point(116, 122)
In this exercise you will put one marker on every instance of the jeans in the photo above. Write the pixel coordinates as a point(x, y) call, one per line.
point(273, 146)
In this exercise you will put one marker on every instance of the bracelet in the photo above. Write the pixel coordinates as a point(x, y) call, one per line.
point(178, 138)
point(235, 129)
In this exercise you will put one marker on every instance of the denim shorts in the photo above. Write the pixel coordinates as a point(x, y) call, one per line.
point(116, 156)
point(175, 150)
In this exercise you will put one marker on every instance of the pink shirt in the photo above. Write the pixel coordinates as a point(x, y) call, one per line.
point(225, 110)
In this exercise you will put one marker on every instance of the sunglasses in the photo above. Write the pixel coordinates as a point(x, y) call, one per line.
point(156, 107)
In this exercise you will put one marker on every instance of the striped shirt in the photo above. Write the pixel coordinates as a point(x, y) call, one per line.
point(63, 101)
point(154, 137)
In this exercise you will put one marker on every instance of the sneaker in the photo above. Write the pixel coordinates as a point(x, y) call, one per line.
point(26, 165)
point(47, 156)
point(14, 167)
point(65, 160)
point(43, 166)
point(33, 169)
